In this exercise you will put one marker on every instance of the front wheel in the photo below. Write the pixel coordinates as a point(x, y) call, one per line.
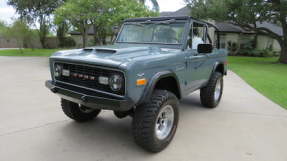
point(78, 112)
point(155, 122)
point(210, 95)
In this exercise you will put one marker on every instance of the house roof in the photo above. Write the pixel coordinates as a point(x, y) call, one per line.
point(185, 11)
point(273, 27)
point(231, 28)
point(226, 26)
point(165, 13)
point(90, 32)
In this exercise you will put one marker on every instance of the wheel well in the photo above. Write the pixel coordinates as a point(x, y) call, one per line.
point(170, 84)
point(220, 69)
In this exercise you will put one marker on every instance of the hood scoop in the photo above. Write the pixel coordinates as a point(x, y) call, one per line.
point(106, 51)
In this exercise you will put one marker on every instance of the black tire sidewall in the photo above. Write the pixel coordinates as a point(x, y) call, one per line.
point(72, 110)
point(207, 93)
point(145, 118)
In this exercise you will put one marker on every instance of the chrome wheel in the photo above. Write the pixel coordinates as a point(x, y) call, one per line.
point(164, 122)
point(85, 109)
point(218, 89)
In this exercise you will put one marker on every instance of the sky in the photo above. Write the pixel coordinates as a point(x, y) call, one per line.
point(7, 13)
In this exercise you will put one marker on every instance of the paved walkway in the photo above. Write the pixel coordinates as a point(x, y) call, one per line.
point(7, 48)
point(245, 127)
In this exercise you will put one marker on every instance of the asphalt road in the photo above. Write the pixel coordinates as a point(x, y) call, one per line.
point(245, 127)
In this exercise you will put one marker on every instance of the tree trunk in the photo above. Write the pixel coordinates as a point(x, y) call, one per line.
point(104, 35)
point(96, 35)
point(43, 31)
point(283, 43)
point(84, 37)
point(283, 55)
point(61, 31)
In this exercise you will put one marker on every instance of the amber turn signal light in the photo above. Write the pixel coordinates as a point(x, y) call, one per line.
point(141, 82)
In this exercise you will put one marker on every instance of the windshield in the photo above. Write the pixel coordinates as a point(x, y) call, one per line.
point(170, 33)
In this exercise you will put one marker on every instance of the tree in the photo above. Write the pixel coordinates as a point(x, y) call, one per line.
point(83, 14)
point(37, 11)
point(247, 13)
point(20, 32)
point(3, 26)
point(154, 2)
point(76, 13)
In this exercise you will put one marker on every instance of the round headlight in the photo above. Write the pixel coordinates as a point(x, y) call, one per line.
point(58, 70)
point(115, 82)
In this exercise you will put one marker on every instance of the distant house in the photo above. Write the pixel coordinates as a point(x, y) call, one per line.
point(77, 37)
point(8, 43)
point(230, 33)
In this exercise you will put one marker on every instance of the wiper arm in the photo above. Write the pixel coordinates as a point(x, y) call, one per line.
point(166, 22)
point(136, 23)
point(152, 22)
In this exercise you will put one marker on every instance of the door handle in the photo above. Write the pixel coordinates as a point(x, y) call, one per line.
point(197, 57)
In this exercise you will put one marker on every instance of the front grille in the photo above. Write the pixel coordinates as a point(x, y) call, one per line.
point(89, 71)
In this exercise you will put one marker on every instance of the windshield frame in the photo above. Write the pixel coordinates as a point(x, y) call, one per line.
point(185, 25)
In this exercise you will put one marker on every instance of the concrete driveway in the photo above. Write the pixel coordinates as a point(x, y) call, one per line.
point(245, 127)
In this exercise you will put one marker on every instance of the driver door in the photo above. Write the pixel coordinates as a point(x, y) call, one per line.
point(196, 62)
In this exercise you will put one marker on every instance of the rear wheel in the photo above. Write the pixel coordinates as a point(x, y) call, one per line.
point(155, 122)
point(210, 95)
point(78, 112)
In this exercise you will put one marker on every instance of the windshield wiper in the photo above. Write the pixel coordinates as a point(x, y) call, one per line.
point(166, 22)
point(136, 23)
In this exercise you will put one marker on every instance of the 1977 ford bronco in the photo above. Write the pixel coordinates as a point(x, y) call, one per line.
point(153, 63)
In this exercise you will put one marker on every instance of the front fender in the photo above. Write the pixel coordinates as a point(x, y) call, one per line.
point(216, 65)
point(149, 89)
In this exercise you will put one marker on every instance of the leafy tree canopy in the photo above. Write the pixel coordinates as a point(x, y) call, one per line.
point(35, 8)
point(18, 31)
point(101, 14)
point(37, 11)
point(154, 2)
point(2, 26)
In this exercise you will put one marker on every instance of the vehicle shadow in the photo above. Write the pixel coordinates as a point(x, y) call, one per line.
point(107, 135)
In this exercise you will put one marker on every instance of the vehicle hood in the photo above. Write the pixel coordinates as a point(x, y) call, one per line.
point(114, 55)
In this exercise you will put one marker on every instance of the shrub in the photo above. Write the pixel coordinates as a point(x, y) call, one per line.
point(67, 42)
point(232, 48)
point(257, 52)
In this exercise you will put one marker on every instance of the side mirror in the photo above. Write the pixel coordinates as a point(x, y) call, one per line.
point(204, 48)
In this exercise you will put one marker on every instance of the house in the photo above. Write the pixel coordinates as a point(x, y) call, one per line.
point(232, 34)
point(77, 37)
point(8, 43)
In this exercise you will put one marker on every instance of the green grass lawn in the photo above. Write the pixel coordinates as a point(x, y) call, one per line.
point(264, 75)
point(28, 52)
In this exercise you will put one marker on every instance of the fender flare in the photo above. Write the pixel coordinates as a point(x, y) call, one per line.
point(152, 83)
point(216, 64)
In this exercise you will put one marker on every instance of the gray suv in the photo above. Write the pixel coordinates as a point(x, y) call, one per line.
point(153, 63)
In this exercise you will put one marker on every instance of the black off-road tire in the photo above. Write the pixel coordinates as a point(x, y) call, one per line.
point(145, 119)
point(73, 111)
point(207, 94)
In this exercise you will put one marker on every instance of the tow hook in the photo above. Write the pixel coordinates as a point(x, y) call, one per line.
point(54, 90)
